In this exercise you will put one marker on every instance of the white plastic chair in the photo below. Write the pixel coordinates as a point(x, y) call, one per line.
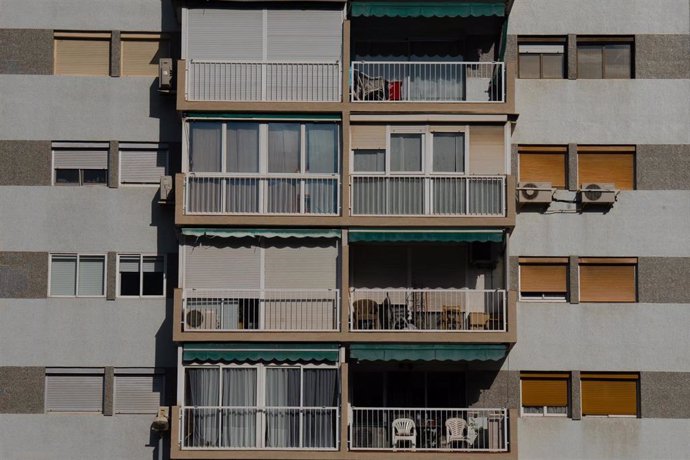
point(456, 429)
point(404, 429)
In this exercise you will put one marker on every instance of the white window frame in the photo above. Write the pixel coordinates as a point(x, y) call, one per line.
point(544, 412)
point(76, 283)
point(53, 170)
point(141, 275)
point(543, 298)
point(154, 146)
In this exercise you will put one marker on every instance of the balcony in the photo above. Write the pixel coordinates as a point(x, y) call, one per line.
point(428, 310)
point(427, 195)
point(234, 81)
point(438, 82)
point(432, 430)
point(247, 310)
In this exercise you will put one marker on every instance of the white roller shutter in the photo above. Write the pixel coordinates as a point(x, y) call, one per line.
point(87, 158)
point(63, 275)
point(138, 394)
point(305, 35)
point(297, 265)
point(74, 393)
point(91, 275)
point(222, 267)
point(141, 165)
point(225, 34)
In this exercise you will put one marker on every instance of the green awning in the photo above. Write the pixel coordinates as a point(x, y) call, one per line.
point(260, 352)
point(426, 9)
point(425, 236)
point(426, 352)
point(262, 233)
point(266, 116)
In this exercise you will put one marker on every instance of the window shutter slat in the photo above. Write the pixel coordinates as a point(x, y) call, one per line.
point(609, 397)
point(543, 167)
point(63, 275)
point(544, 392)
point(129, 264)
point(140, 56)
point(80, 159)
point(152, 264)
point(91, 271)
point(222, 267)
point(368, 136)
point(607, 283)
point(82, 56)
point(142, 166)
point(543, 278)
point(74, 393)
point(607, 168)
point(138, 394)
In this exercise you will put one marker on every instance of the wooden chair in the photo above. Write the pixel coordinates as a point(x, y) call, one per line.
point(478, 320)
point(366, 311)
point(452, 317)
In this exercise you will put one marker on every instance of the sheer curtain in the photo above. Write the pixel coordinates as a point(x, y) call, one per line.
point(282, 391)
point(239, 391)
point(242, 156)
point(203, 391)
point(284, 157)
point(322, 147)
point(205, 156)
point(320, 391)
point(406, 194)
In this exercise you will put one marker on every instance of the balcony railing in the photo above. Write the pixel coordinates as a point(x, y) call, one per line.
point(219, 310)
point(423, 310)
point(474, 430)
point(430, 195)
point(277, 194)
point(263, 81)
point(427, 81)
point(231, 428)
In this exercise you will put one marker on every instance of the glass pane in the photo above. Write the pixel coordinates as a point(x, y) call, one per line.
point(320, 388)
point(205, 147)
point(529, 66)
point(284, 147)
point(282, 395)
point(556, 410)
point(153, 275)
point(95, 176)
point(67, 176)
point(129, 275)
point(589, 61)
point(617, 60)
point(533, 410)
point(63, 275)
point(283, 387)
point(243, 147)
point(553, 66)
point(239, 391)
point(91, 270)
point(369, 160)
point(406, 152)
point(322, 148)
point(449, 152)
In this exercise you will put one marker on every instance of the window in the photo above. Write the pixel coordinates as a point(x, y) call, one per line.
point(74, 390)
point(143, 163)
point(609, 57)
point(77, 275)
point(284, 143)
point(543, 164)
point(406, 152)
point(608, 279)
point(141, 276)
point(544, 393)
point(141, 52)
point(78, 53)
point(138, 393)
point(543, 59)
point(543, 278)
point(80, 163)
point(449, 152)
point(607, 165)
point(609, 393)
point(242, 152)
point(369, 160)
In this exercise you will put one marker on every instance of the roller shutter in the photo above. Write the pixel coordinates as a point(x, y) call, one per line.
point(225, 34)
point(140, 164)
point(138, 394)
point(543, 389)
point(544, 275)
point(607, 282)
point(368, 137)
point(141, 52)
point(85, 54)
point(300, 265)
point(74, 393)
point(222, 267)
point(606, 166)
point(304, 35)
point(544, 165)
point(609, 394)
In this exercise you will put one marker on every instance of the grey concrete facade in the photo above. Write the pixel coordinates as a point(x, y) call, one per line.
point(23, 275)
point(662, 56)
point(25, 163)
point(665, 395)
point(26, 51)
point(663, 279)
point(491, 389)
point(662, 167)
point(22, 390)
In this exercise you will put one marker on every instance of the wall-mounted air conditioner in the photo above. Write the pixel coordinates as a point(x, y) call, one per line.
point(602, 194)
point(205, 319)
point(165, 195)
point(535, 193)
point(165, 75)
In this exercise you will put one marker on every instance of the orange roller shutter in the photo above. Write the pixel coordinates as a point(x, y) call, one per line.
point(82, 56)
point(607, 283)
point(543, 278)
point(543, 167)
point(544, 392)
point(609, 396)
point(607, 168)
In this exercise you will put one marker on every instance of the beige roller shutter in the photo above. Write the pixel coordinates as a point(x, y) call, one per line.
point(543, 165)
point(368, 137)
point(142, 164)
point(609, 394)
point(606, 165)
point(304, 35)
point(141, 52)
point(226, 265)
point(301, 264)
point(543, 389)
point(544, 275)
point(487, 150)
point(138, 394)
point(82, 54)
point(74, 393)
point(233, 34)
point(607, 282)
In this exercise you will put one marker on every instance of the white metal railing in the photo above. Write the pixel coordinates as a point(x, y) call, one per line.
point(263, 81)
point(427, 195)
point(427, 81)
point(288, 194)
point(476, 430)
point(261, 309)
point(230, 428)
point(421, 310)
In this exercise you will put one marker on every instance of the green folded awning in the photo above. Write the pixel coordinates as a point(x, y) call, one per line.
point(426, 352)
point(426, 9)
point(262, 233)
point(424, 236)
point(260, 352)
point(266, 116)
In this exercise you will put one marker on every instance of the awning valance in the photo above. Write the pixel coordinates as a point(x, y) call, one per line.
point(426, 9)
point(426, 352)
point(424, 236)
point(262, 233)
point(260, 352)
point(266, 116)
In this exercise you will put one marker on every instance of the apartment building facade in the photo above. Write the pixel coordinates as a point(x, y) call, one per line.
point(398, 229)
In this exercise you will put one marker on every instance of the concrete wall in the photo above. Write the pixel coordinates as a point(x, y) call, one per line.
point(23, 275)
point(22, 390)
point(26, 51)
point(25, 163)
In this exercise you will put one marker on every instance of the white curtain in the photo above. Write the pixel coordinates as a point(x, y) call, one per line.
point(406, 152)
point(320, 391)
point(370, 160)
point(284, 147)
point(449, 152)
point(205, 147)
point(203, 390)
point(322, 147)
point(239, 391)
point(242, 147)
point(282, 394)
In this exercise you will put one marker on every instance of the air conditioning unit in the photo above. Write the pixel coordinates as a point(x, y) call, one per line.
point(604, 194)
point(206, 320)
point(165, 75)
point(166, 190)
point(535, 193)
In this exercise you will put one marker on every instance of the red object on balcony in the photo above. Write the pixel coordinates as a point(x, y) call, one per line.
point(394, 90)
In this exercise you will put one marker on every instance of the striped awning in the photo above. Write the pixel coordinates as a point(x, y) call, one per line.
point(426, 352)
point(449, 9)
point(260, 352)
point(424, 236)
point(262, 233)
